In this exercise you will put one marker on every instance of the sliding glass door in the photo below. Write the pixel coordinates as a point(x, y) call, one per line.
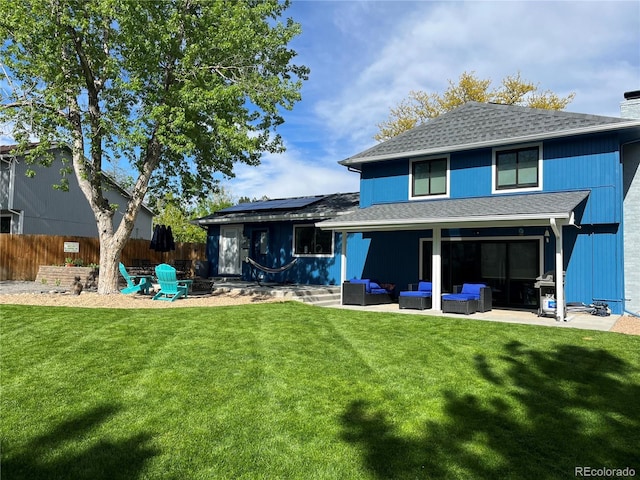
point(509, 267)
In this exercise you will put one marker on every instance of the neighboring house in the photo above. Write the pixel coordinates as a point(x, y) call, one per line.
point(273, 233)
point(30, 205)
point(484, 193)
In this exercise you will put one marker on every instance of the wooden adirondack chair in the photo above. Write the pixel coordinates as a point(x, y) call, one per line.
point(170, 287)
point(143, 284)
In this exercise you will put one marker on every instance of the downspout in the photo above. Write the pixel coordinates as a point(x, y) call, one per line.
point(436, 269)
point(343, 261)
point(560, 296)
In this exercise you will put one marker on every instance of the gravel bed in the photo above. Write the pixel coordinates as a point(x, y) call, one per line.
point(31, 293)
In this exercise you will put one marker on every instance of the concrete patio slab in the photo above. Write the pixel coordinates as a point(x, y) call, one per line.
point(574, 319)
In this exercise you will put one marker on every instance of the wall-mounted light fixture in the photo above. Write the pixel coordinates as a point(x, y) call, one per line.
point(546, 235)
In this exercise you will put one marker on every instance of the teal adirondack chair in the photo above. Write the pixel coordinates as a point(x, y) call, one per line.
point(170, 287)
point(143, 284)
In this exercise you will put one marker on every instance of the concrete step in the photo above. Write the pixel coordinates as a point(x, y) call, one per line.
point(320, 297)
point(232, 278)
point(312, 294)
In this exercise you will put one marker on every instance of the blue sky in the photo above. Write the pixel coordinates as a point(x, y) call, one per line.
point(365, 56)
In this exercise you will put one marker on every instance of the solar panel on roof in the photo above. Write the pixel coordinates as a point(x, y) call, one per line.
point(280, 204)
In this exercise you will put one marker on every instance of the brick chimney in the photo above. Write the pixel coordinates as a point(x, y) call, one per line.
point(630, 108)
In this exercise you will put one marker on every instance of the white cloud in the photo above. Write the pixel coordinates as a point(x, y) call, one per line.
point(564, 46)
point(288, 175)
point(366, 56)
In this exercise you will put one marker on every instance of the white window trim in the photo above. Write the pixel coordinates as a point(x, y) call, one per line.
point(495, 150)
point(447, 180)
point(15, 221)
point(312, 255)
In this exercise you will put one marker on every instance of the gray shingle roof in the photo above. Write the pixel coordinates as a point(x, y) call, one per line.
point(327, 206)
point(475, 124)
point(524, 208)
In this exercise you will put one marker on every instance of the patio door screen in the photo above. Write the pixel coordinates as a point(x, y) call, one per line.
point(509, 267)
point(229, 261)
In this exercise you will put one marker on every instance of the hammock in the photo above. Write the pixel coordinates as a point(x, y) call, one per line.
point(283, 268)
point(257, 266)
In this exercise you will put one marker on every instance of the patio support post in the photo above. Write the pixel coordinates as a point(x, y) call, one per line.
point(436, 269)
point(343, 260)
point(560, 301)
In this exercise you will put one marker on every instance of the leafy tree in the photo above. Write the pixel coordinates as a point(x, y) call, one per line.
point(421, 105)
point(245, 199)
point(180, 89)
point(216, 200)
point(174, 212)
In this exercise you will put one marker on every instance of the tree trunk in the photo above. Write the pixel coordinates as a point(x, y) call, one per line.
point(109, 260)
point(111, 246)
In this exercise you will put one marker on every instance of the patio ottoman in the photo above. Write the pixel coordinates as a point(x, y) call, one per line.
point(463, 306)
point(415, 300)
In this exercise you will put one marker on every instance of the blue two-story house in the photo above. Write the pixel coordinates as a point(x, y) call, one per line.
point(495, 194)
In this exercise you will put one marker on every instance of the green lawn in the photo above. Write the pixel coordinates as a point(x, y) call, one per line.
point(297, 392)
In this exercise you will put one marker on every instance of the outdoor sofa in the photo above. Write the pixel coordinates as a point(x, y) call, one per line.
point(365, 292)
point(417, 297)
point(470, 298)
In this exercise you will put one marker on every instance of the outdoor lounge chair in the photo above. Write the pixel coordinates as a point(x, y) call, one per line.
point(471, 298)
point(365, 292)
point(143, 282)
point(418, 296)
point(170, 287)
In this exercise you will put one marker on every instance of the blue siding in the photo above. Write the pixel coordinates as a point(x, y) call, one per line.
point(593, 262)
point(357, 251)
point(213, 249)
point(307, 270)
point(383, 182)
point(393, 257)
point(580, 163)
point(470, 174)
point(587, 163)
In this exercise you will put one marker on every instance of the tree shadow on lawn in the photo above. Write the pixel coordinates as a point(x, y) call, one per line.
point(52, 455)
point(548, 413)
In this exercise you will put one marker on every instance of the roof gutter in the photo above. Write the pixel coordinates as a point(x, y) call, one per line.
point(267, 218)
point(349, 162)
point(539, 219)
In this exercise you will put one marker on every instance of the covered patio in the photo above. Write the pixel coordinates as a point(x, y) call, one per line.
point(552, 211)
point(316, 295)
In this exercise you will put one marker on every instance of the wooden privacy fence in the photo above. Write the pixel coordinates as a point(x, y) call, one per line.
point(22, 255)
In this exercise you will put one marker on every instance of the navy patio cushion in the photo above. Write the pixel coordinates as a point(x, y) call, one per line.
point(472, 289)
point(415, 293)
point(378, 290)
point(366, 281)
point(460, 297)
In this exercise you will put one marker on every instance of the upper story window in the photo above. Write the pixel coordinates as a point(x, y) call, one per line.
point(309, 240)
point(429, 177)
point(517, 168)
